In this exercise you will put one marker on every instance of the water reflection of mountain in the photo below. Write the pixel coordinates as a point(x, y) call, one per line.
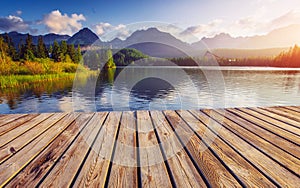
point(151, 88)
point(157, 87)
point(150, 82)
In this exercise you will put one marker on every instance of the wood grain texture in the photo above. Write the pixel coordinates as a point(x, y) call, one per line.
point(37, 169)
point(184, 172)
point(13, 134)
point(204, 158)
point(14, 146)
point(294, 108)
point(19, 120)
point(244, 170)
point(153, 169)
point(268, 126)
point(275, 171)
point(8, 118)
point(241, 147)
point(272, 118)
point(268, 148)
point(67, 166)
point(11, 167)
point(263, 133)
point(287, 117)
point(124, 169)
point(95, 168)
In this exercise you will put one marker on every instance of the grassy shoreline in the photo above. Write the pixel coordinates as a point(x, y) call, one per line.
point(10, 81)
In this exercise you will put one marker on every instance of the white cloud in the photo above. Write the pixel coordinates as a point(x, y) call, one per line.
point(201, 30)
point(108, 31)
point(254, 25)
point(13, 23)
point(56, 22)
point(292, 17)
point(247, 26)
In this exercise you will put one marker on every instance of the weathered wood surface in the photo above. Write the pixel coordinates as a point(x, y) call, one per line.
point(240, 147)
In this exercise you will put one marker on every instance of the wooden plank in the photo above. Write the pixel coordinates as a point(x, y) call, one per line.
point(248, 174)
point(18, 131)
point(272, 119)
point(265, 134)
point(270, 127)
point(15, 123)
point(285, 115)
point(182, 168)
point(124, 169)
point(11, 167)
point(9, 149)
point(294, 115)
point(282, 176)
point(35, 170)
point(153, 169)
point(219, 176)
point(8, 118)
point(94, 170)
point(66, 168)
point(294, 108)
point(287, 160)
point(252, 153)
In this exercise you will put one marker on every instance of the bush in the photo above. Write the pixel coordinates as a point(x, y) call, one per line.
point(39, 66)
point(6, 66)
point(69, 67)
point(35, 68)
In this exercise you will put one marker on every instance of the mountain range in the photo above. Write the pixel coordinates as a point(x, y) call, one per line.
point(156, 43)
point(18, 38)
point(278, 38)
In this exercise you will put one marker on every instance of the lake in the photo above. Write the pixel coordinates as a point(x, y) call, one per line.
point(158, 88)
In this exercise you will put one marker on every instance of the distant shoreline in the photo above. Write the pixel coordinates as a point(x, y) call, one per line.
point(217, 67)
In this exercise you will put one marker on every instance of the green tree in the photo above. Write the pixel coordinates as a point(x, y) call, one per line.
point(41, 48)
point(21, 49)
point(50, 50)
point(127, 56)
point(56, 52)
point(92, 59)
point(72, 52)
point(29, 48)
point(78, 55)
point(67, 59)
point(3, 51)
point(5, 61)
point(12, 52)
point(63, 50)
point(110, 60)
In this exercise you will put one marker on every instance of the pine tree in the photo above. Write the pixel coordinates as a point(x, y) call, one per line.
point(41, 48)
point(12, 52)
point(29, 48)
point(21, 49)
point(78, 55)
point(50, 50)
point(56, 52)
point(72, 52)
point(63, 50)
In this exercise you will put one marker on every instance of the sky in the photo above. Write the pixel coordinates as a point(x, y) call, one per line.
point(183, 18)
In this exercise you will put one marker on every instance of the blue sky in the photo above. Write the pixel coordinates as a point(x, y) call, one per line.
point(198, 17)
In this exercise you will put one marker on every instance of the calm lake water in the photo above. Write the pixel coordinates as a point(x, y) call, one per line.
point(158, 89)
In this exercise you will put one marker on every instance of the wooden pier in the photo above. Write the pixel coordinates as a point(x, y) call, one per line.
point(238, 147)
